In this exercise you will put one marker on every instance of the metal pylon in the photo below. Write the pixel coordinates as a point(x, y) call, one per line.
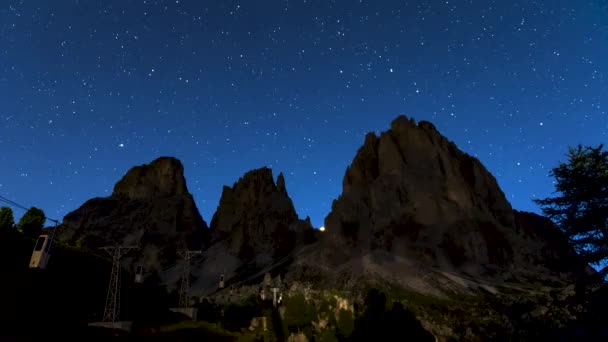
point(184, 290)
point(111, 313)
point(53, 231)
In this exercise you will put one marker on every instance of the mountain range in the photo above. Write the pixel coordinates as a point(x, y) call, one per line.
point(417, 218)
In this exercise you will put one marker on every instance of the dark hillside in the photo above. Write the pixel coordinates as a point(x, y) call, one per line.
point(68, 294)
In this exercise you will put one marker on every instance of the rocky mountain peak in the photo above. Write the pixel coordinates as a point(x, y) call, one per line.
point(254, 227)
point(281, 184)
point(255, 216)
point(162, 177)
point(150, 207)
point(411, 192)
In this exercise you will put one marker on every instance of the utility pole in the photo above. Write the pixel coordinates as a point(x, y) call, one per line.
point(52, 235)
point(274, 296)
point(111, 312)
point(184, 290)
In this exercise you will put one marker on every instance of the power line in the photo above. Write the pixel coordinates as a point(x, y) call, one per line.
point(14, 204)
point(22, 207)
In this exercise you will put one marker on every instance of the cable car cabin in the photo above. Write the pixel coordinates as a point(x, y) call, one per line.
point(41, 255)
point(139, 274)
point(221, 281)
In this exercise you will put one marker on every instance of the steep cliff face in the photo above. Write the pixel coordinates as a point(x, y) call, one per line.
point(164, 177)
point(418, 213)
point(255, 226)
point(257, 219)
point(411, 191)
point(150, 208)
point(544, 245)
point(427, 223)
point(255, 216)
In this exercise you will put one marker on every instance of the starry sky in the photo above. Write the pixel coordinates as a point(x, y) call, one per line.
point(89, 89)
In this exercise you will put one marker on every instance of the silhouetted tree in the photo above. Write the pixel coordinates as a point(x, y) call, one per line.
point(371, 324)
point(345, 323)
point(238, 316)
point(148, 302)
point(328, 335)
point(7, 221)
point(401, 319)
point(208, 311)
point(277, 325)
point(581, 209)
point(32, 222)
point(379, 324)
point(298, 313)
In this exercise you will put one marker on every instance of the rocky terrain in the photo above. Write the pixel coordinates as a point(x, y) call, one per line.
point(150, 208)
point(412, 197)
point(418, 219)
point(428, 223)
point(255, 226)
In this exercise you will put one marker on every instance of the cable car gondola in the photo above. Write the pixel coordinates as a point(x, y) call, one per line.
point(41, 255)
point(221, 281)
point(139, 274)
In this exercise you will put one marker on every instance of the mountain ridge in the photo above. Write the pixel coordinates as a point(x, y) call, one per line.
point(416, 217)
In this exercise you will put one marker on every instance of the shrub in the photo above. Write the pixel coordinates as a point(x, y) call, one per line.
point(328, 335)
point(298, 313)
point(346, 323)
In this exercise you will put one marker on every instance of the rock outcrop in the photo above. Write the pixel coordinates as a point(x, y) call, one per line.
point(150, 207)
point(546, 246)
point(255, 226)
point(417, 213)
point(417, 218)
point(255, 216)
point(411, 191)
point(426, 222)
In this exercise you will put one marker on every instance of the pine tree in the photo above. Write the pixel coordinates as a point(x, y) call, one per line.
point(7, 221)
point(32, 221)
point(581, 208)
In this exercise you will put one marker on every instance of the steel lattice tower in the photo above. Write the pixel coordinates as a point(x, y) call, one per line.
point(52, 235)
point(111, 313)
point(184, 290)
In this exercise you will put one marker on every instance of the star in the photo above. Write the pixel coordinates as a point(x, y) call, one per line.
point(199, 82)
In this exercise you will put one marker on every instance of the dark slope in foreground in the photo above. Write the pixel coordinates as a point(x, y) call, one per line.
point(60, 300)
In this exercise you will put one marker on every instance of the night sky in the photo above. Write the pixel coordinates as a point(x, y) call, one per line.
point(89, 89)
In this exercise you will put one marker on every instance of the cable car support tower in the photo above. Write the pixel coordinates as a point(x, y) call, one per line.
point(184, 290)
point(111, 312)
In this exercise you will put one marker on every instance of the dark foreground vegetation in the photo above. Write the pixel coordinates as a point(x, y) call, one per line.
point(61, 300)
